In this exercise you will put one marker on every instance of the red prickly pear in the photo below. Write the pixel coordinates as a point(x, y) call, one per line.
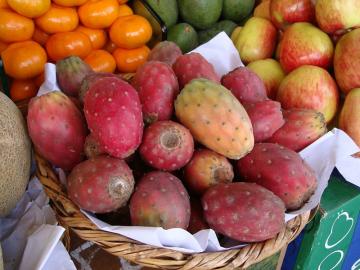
point(245, 212)
point(91, 78)
point(70, 73)
point(92, 147)
point(165, 51)
point(207, 169)
point(101, 184)
point(158, 87)
point(57, 129)
point(266, 118)
point(191, 66)
point(167, 145)
point(197, 221)
point(280, 170)
point(302, 127)
point(245, 85)
point(113, 113)
point(160, 200)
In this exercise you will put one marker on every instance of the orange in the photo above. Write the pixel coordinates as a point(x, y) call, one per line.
point(38, 80)
point(125, 10)
point(70, 3)
point(122, 1)
point(97, 37)
point(128, 61)
point(3, 4)
point(62, 45)
point(3, 46)
point(101, 61)
point(23, 89)
point(24, 60)
point(130, 32)
point(58, 19)
point(110, 46)
point(30, 8)
point(99, 14)
point(15, 27)
point(40, 36)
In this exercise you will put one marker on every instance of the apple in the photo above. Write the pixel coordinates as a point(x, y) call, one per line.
point(263, 10)
point(285, 12)
point(270, 71)
point(347, 61)
point(349, 120)
point(305, 44)
point(337, 15)
point(309, 87)
point(256, 40)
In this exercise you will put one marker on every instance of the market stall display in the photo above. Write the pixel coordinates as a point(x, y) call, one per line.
point(147, 113)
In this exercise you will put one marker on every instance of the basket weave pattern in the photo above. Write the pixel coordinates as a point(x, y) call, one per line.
point(70, 216)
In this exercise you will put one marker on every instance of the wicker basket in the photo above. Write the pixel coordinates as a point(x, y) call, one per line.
point(69, 216)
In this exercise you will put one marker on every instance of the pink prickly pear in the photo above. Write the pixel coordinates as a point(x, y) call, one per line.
point(245, 212)
point(160, 200)
point(245, 85)
point(266, 118)
point(70, 73)
point(280, 170)
point(165, 51)
point(101, 184)
point(158, 87)
point(302, 127)
point(191, 66)
point(113, 113)
point(57, 129)
point(167, 145)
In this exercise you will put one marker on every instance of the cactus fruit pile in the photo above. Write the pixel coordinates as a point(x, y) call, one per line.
point(177, 145)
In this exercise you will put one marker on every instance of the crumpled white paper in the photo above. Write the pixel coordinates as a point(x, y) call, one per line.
point(330, 151)
point(29, 233)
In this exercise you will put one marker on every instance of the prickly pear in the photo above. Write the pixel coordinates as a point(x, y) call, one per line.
point(191, 66)
point(266, 118)
point(302, 127)
point(57, 129)
point(245, 212)
point(101, 184)
point(206, 169)
point(280, 170)
point(113, 113)
point(245, 85)
point(160, 200)
point(167, 145)
point(215, 118)
point(70, 72)
point(158, 87)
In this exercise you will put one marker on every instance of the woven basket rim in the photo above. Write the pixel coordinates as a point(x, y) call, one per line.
point(70, 217)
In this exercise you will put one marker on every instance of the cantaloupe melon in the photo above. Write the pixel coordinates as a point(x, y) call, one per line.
point(1, 260)
point(15, 155)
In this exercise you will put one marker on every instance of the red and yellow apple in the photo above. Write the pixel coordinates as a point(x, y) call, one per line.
point(347, 61)
point(309, 87)
point(349, 120)
point(285, 12)
point(256, 40)
point(305, 44)
point(337, 15)
point(270, 71)
point(263, 10)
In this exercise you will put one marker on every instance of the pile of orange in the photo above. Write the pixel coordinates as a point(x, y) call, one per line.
point(105, 33)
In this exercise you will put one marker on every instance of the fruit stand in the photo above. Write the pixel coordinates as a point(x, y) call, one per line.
point(181, 134)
